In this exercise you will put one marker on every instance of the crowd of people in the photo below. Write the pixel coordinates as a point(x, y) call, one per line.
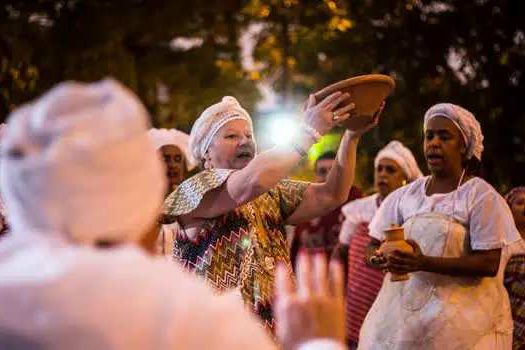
point(108, 242)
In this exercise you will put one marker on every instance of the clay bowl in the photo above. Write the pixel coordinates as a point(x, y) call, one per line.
point(366, 91)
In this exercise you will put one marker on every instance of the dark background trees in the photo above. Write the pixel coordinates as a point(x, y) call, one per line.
point(467, 52)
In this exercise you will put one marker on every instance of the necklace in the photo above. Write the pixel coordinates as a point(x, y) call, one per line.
point(430, 182)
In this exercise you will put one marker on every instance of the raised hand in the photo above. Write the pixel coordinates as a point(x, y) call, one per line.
point(314, 309)
point(323, 116)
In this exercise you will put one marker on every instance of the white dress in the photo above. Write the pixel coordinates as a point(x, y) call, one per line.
point(355, 212)
point(436, 311)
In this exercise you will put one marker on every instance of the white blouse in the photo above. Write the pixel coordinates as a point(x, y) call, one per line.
point(475, 204)
point(356, 212)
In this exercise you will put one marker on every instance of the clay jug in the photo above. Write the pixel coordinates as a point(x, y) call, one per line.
point(395, 240)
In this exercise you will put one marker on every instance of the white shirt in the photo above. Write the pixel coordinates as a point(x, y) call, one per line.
point(57, 296)
point(355, 212)
point(475, 204)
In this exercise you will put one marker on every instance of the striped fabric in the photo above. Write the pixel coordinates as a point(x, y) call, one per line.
point(363, 285)
point(515, 283)
point(238, 251)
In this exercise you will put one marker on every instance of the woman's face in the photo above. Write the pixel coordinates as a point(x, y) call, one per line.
point(233, 147)
point(518, 211)
point(444, 147)
point(388, 176)
point(175, 164)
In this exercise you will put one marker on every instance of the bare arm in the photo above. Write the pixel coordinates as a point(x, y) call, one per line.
point(266, 169)
point(319, 199)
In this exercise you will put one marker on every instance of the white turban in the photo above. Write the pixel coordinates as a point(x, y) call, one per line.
point(464, 121)
point(402, 156)
point(78, 163)
point(210, 121)
point(164, 137)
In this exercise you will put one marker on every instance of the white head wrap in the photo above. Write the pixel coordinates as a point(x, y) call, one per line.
point(402, 156)
point(210, 121)
point(78, 163)
point(164, 137)
point(464, 121)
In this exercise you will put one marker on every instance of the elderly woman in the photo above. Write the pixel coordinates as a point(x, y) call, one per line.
point(457, 224)
point(232, 214)
point(394, 166)
point(72, 276)
point(515, 270)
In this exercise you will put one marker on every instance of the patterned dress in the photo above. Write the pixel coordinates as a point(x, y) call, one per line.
point(240, 249)
point(515, 283)
point(321, 234)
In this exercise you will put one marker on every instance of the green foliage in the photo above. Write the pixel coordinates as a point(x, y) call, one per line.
point(467, 52)
point(130, 41)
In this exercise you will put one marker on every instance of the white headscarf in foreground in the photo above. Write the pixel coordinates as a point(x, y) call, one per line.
point(396, 151)
point(165, 137)
point(210, 121)
point(78, 163)
point(464, 121)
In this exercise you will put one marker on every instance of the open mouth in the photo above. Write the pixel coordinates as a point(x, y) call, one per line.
point(434, 159)
point(173, 173)
point(245, 155)
point(382, 183)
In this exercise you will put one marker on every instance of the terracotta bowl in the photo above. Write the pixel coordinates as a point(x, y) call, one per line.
point(366, 91)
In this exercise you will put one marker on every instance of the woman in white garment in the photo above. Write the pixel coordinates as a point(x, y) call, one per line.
point(172, 146)
point(69, 177)
point(457, 224)
point(394, 166)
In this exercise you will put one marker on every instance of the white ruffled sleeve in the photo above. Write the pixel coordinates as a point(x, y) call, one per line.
point(387, 215)
point(353, 217)
point(491, 224)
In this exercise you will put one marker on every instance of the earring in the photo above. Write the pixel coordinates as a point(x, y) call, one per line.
point(404, 182)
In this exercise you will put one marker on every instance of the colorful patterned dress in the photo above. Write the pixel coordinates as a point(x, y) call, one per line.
point(515, 283)
point(240, 249)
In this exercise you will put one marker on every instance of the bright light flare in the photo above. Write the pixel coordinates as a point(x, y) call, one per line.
point(282, 129)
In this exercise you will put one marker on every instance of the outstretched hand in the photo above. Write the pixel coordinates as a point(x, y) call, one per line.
point(313, 309)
